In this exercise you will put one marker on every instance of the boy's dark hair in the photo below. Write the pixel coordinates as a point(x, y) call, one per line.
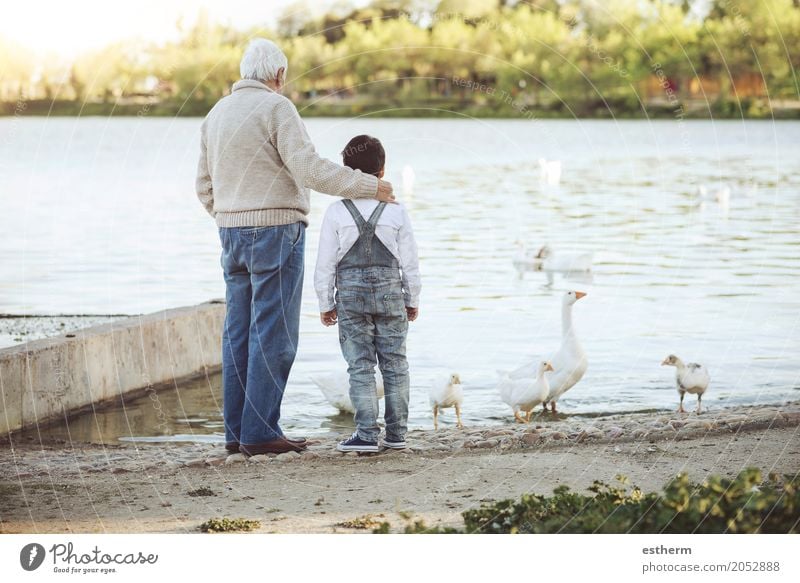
point(364, 153)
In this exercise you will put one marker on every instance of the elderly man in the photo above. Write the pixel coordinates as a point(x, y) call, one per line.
point(256, 166)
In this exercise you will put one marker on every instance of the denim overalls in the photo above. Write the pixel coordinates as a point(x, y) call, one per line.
point(372, 328)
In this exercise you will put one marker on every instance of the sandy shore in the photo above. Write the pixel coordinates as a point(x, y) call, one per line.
point(58, 487)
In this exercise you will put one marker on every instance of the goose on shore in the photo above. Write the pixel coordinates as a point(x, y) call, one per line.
point(443, 395)
point(527, 393)
point(690, 378)
point(335, 388)
point(569, 362)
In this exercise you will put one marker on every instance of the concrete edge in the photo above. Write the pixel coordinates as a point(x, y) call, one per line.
point(47, 380)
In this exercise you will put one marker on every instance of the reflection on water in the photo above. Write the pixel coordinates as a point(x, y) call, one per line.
point(109, 223)
point(189, 412)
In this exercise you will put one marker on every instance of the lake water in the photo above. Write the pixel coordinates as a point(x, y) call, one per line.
point(99, 216)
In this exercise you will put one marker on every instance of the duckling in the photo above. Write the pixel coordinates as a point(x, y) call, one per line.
point(444, 395)
point(691, 378)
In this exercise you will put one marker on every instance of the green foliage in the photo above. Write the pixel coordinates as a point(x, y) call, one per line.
point(745, 504)
point(201, 491)
point(402, 56)
point(419, 528)
point(229, 525)
point(366, 522)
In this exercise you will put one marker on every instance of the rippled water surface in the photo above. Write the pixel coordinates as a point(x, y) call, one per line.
point(99, 216)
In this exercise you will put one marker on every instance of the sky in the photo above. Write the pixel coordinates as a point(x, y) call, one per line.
point(71, 27)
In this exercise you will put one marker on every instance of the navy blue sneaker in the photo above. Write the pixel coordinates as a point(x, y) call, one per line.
point(355, 443)
point(394, 443)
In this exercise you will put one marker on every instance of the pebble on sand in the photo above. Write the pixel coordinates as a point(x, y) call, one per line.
point(287, 456)
point(235, 458)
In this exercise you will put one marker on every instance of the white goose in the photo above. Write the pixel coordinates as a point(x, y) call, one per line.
point(525, 260)
point(525, 394)
point(691, 378)
point(549, 262)
point(720, 195)
point(569, 362)
point(550, 171)
point(336, 389)
point(443, 395)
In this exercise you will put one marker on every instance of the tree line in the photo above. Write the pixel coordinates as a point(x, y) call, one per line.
point(454, 57)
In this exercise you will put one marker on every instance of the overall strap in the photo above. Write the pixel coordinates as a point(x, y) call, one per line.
point(368, 251)
point(364, 226)
point(376, 214)
point(360, 222)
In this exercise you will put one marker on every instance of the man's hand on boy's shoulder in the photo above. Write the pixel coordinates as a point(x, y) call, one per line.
point(385, 191)
point(412, 313)
point(328, 318)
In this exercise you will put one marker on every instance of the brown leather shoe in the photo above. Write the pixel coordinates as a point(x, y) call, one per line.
point(279, 445)
point(232, 446)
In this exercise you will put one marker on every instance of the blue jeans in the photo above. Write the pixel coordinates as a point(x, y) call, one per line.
point(373, 328)
point(263, 268)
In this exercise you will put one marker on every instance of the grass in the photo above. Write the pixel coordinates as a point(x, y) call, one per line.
point(215, 525)
point(201, 491)
point(366, 522)
point(745, 504)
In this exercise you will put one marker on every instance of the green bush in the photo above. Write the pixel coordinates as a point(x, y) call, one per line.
point(229, 525)
point(745, 504)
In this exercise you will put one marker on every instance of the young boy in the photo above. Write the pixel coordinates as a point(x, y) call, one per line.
point(368, 255)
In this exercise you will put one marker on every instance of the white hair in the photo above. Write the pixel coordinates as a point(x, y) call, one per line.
point(261, 60)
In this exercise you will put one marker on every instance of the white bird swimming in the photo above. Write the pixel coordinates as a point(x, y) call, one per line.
point(525, 394)
point(691, 378)
point(550, 171)
point(548, 261)
point(443, 395)
point(721, 195)
point(336, 389)
point(525, 260)
point(569, 362)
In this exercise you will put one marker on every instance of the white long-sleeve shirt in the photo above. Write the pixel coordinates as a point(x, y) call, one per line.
point(338, 234)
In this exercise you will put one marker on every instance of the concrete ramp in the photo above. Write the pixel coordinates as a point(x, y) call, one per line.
point(46, 380)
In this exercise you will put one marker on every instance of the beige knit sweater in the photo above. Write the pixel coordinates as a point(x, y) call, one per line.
point(257, 162)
